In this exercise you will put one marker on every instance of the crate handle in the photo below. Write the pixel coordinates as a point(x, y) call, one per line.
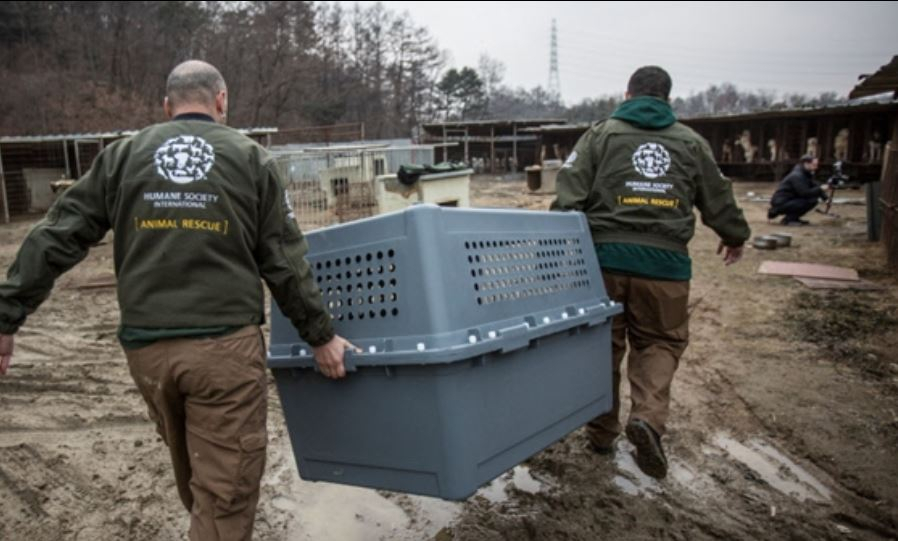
point(348, 363)
point(515, 337)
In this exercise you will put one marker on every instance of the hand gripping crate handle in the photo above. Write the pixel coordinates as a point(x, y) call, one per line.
point(349, 362)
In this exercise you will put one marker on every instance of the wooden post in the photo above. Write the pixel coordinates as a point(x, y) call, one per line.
point(894, 130)
point(826, 145)
point(514, 144)
point(5, 195)
point(888, 198)
point(445, 148)
point(77, 160)
point(830, 135)
point(492, 149)
point(65, 154)
point(762, 145)
point(716, 147)
point(466, 146)
point(780, 139)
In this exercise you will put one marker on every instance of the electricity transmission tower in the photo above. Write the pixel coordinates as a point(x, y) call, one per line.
point(554, 86)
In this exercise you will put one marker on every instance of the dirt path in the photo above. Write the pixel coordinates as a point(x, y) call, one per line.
point(784, 424)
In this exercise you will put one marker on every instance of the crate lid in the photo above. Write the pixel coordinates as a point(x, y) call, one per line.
point(433, 285)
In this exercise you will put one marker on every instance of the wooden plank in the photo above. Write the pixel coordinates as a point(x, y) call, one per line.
point(98, 285)
point(95, 282)
point(808, 270)
point(862, 285)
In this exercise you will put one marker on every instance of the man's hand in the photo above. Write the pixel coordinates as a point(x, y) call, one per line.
point(731, 254)
point(6, 346)
point(330, 357)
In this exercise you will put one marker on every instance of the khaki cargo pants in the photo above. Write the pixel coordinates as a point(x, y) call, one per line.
point(655, 322)
point(208, 398)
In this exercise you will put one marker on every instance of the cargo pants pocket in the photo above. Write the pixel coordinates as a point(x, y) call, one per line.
point(673, 309)
point(252, 462)
point(239, 476)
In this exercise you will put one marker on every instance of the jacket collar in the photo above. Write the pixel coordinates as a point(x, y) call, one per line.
point(194, 116)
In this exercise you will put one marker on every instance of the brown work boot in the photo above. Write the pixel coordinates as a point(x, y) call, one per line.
point(649, 452)
point(601, 440)
point(601, 447)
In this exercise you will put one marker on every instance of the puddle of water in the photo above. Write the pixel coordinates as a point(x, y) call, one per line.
point(682, 475)
point(775, 468)
point(519, 476)
point(631, 479)
point(626, 486)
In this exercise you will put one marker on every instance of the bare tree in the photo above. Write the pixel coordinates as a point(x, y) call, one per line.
point(91, 66)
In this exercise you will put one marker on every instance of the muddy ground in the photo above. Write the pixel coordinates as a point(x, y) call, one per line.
point(784, 422)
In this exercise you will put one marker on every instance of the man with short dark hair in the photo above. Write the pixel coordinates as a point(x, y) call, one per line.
point(650, 81)
point(797, 194)
point(637, 177)
point(200, 213)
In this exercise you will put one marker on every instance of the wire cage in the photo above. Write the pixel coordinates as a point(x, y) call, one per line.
point(333, 185)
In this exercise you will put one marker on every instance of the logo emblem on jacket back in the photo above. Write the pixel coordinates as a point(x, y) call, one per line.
point(651, 160)
point(184, 159)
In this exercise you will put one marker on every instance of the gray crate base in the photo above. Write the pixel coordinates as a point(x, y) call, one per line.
point(446, 429)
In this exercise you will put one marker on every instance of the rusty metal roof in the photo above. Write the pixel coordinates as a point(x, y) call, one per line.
point(842, 109)
point(496, 123)
point(884, 80)
point(104, 135)
point(93, 136)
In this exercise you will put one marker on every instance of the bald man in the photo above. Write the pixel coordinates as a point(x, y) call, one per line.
point(200, 214)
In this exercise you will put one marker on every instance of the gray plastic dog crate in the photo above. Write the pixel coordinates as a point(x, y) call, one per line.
point(486, 337)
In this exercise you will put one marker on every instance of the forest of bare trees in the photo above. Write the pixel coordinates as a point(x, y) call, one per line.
point(82, 66)
point(89, 66)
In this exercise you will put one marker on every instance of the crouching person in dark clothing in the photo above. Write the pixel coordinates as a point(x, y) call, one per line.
point(797, 193)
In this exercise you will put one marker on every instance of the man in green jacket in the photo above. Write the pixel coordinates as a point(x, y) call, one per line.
point(200, 214)
point(637, 177)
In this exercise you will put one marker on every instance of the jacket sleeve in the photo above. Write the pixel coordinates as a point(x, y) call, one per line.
point(75, 222)
point(280, 254)
point(716, 202)
point(806, 188)
point(576, 177)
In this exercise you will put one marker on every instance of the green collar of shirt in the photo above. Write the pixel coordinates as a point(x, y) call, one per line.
point(644, 261)
point(138, 337)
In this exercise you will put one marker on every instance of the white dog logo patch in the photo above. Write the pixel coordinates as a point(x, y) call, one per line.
point(184, 159)
point(651, 160)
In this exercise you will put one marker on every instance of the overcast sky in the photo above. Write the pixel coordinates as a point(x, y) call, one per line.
point(807, 47)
